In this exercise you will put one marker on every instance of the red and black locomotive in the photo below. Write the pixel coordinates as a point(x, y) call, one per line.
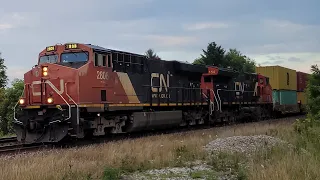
point(77, 90)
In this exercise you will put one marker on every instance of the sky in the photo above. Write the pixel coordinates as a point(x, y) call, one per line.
point(285, 33)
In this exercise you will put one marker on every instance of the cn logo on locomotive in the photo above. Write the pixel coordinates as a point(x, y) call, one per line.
point(239, 86)
point(34, 93)
point(164, 83)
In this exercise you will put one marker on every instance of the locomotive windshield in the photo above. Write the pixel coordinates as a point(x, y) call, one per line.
point(74, 57)
point(48, 59)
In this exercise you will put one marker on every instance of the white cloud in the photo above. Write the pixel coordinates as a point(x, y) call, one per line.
point(5, 26)
point(179, 55)
point(206, 25)
point(170, 40)
point(16, 72)
point(10, 21)
point(138, 25)
point(284, 25)
point(283, 59)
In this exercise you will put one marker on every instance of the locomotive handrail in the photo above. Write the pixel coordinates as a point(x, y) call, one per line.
point(218, 95)
point(65, 86)
point(214, 97)
point(210, 110)
point(171, 87)
point(55, 89)
point(205, 95)
point(14, 108)
point(211, 107)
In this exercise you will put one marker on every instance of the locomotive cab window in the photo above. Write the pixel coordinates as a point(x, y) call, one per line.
point(99, 60)
point(109, 64)
point(74, 57)
point(102, 60)
point(48, 59)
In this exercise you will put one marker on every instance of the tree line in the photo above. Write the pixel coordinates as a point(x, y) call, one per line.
point(216, 55)
point(9, 96)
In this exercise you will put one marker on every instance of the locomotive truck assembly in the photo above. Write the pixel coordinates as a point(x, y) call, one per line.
point(79, 90)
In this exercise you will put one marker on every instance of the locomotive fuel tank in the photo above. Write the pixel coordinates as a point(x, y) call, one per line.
point(154, 120)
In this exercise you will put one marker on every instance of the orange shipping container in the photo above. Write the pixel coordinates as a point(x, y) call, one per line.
point(280, 78)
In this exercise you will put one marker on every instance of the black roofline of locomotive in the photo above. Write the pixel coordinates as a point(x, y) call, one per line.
point(228, 71)
point(102, 49)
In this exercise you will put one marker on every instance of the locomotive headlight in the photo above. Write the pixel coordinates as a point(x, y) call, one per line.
point(44, 71)
point(50, 100)
point(21, 101)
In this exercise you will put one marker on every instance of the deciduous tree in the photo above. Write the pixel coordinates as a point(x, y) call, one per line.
point(313, 93)
point(215, 55)
point(3, 73)
point(239, 62)
point(151, 54)
point(9, 98)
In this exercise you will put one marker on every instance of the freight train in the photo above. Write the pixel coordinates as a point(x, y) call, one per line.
point(78, 90)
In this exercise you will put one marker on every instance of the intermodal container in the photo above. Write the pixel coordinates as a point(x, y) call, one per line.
point(301, 96)
point(302, 80)
point(284, 97)
point(280, 78)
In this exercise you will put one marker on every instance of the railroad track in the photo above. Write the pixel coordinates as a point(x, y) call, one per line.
point(20, 148)
point(136, 135)
point(11, 145)
point(8, 139)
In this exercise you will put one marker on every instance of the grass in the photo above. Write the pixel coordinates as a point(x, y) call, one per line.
point(300, 162)
point(109, 160)
point(111, 173)
point(6, 135)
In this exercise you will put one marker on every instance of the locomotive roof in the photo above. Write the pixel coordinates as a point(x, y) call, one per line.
point(102, 49)
point(227, 71)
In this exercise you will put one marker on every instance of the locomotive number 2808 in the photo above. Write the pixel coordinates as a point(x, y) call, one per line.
point(102, 75)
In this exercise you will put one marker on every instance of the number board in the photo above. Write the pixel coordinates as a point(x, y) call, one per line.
point(51, 48)
point(102, 75)
point(212, 71)
point(71, 46)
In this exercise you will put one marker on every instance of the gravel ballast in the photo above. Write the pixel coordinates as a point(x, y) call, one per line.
point(235, 144)
point(199, 172)
point(244, 144)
